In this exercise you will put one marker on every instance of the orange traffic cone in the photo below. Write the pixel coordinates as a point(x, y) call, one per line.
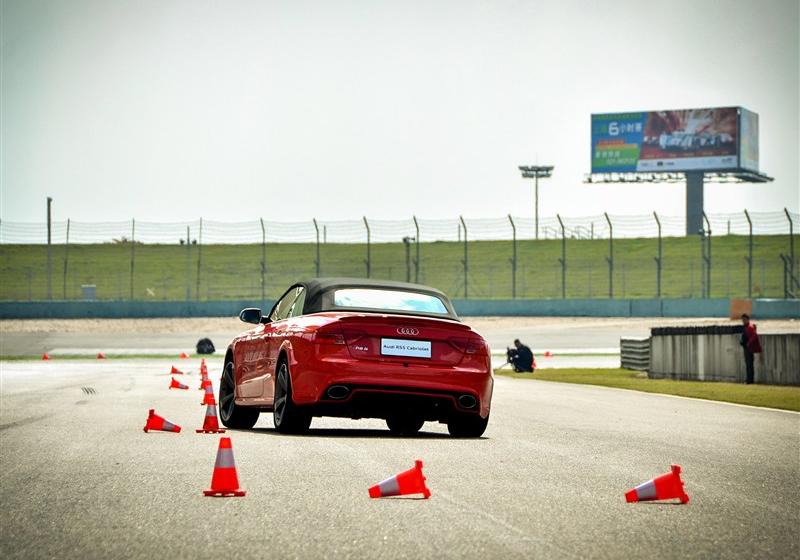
point(208, 397)
point(548, 354)
point(156, 422)
point(205, 382)
point(101, 356)
point(408, 482)
point(176, 385)
point(203, 368)
point(664, 487)
point(183, 355)
point(224, 481)
point(210, 424)
point(45, 356)
point(175, 371)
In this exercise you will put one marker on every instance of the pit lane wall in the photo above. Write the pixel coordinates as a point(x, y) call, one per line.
point(717, 307)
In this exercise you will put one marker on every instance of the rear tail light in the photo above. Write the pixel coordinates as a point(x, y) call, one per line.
point(329, 336)
point(473, 345)
point(352, 336)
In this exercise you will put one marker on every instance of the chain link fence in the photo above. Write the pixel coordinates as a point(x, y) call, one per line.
point(748, 254)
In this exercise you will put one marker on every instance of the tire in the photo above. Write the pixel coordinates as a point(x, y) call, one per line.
point(232, 415)
point(471, 426)
point(404, 425)
point(287, 417)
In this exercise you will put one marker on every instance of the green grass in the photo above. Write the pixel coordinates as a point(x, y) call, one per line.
point(61, 357)
point(213, 272)
point(773, 396)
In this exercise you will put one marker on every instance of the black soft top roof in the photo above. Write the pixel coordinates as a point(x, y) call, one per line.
point(315, 287)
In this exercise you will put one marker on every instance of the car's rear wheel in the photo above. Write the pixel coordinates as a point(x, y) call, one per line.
point(286, 415)
point(232, 415)
point(471, 426)
point(404, 424)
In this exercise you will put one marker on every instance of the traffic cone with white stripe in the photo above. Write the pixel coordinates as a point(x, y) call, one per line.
point(208, 397)
point(157, 423)
point(408, 482)
point(174, 384)
point(210, 423)
point(665, 487)
point(224, 481)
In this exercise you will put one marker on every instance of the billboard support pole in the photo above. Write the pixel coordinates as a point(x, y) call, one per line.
point(513, 258)
point(466, 266)
point(563, 259)
point(610, 257)
point(694, 202)
point(749, 257)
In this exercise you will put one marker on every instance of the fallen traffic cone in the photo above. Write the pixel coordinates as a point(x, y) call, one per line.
point(210, 424)
point(174, 384)
point(548, 354)
point(175, 371)
point(155, 422)
point(664, 487)
point(208, 397)
point(101, 356)
point(183, 355)
point(408, 482)
point(45, 356)
point(224, 482)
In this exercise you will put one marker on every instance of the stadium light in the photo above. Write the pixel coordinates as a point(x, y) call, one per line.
point(534, 172)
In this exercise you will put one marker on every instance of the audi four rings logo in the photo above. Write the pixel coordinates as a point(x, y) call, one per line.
point(408, 331)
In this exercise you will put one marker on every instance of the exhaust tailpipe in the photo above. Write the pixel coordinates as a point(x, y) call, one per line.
point(338, 392)
point(467, 401)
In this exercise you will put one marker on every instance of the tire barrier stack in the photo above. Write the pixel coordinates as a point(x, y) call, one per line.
point(634, 353)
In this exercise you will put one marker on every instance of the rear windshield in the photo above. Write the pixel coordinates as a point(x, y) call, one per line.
point(388, 300)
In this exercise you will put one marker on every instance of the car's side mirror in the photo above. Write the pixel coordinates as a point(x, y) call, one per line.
point(251, 315)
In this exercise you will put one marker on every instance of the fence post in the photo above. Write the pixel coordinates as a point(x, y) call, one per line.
point(513, 258)
point(793, 281)
point(658, 258)
point(316, 262)
point(49, 249)
point(610, 257)
point(466, 265)
point(133, 252)
point(416, 246)
point(66, 260)
point(749, 257)
point(563, 259)
point(188, 264)
point(708, 255)
point(263, 260)
point(407, 245)
point(199, 258)
point(368, 262)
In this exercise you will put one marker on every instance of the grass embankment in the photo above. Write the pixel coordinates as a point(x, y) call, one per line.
point(216, 272)
point(773, 396)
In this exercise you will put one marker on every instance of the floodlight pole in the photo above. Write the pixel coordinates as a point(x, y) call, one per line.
point(534, 172)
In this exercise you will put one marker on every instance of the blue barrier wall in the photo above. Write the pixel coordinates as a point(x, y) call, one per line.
point(762, 309)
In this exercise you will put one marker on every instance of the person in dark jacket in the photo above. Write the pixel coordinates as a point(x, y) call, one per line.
point(520, 357)
point(751, 345)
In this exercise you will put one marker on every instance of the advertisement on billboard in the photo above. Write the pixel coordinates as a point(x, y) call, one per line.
point(683, 140)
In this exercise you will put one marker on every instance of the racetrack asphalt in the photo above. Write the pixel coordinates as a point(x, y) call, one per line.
point(79, 477)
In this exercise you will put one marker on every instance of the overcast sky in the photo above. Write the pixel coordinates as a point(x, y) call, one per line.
point(171, 110)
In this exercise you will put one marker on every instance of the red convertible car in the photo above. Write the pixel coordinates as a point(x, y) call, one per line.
point(358, 348)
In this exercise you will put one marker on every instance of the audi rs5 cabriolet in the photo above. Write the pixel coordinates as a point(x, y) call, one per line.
point(358, 348)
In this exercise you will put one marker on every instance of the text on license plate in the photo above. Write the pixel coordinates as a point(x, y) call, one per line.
point(410, 348)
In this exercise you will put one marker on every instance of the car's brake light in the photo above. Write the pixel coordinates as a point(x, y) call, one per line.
point(477, 346)
point(352, 336)
point(329, 336)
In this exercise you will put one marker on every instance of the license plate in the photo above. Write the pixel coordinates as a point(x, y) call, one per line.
point(407, 348)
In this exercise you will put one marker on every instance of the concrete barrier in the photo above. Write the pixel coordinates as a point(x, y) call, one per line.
point(762, 309)
point(719, 357)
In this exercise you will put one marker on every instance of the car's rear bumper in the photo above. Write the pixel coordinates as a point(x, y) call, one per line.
point(371, 389)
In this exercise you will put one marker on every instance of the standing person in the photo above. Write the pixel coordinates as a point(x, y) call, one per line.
point(751, 345)
point(521, 357)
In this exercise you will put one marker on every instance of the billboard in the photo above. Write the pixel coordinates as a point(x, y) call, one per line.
point(717, 139)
